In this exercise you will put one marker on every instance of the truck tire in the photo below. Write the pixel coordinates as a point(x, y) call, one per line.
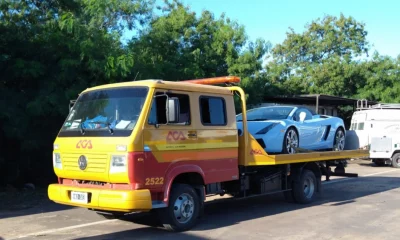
point(304, 190)
point(396, 160)
point(183, 209)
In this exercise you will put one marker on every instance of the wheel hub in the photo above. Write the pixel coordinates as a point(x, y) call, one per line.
point(340, 140)
point(291, 141)
point(309, 187)
point(184, 208)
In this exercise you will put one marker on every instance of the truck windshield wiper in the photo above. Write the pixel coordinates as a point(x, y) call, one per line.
point(80, 125)
point(82, 128)
point(102, 122)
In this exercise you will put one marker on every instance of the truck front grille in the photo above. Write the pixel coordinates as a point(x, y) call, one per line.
point(96, 163)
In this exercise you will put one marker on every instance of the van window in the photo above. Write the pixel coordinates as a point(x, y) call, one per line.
point(361, 126)
point(212, 111)
point(158, 112)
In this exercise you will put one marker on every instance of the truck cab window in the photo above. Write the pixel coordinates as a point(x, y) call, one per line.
point(158, 109)
point(212, 111)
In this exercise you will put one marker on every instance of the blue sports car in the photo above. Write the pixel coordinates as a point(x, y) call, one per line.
point(284, 129)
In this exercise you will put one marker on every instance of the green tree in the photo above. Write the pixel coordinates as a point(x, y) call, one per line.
point(49, 52)
point(178, 45)
point(382, 74)
point(322, 59)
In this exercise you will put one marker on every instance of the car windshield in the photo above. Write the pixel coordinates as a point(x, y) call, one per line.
point(266, 113)
point(105, 110)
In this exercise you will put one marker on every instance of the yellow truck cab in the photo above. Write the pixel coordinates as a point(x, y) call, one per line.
point(166, 146)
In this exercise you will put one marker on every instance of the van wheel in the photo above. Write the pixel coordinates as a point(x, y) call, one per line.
point(339, 141)
point(304, 190)
point(183, 208)
point(396, 160)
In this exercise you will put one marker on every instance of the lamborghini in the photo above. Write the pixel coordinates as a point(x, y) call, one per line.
point(290, 129)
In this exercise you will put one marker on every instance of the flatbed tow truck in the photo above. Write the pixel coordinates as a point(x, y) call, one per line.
point(165, 146)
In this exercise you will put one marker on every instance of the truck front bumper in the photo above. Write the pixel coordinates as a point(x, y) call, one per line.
point(103, 199)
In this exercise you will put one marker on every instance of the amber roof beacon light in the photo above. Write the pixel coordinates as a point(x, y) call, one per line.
point(215, 80)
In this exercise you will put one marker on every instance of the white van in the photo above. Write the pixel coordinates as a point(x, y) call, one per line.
point(369, 120)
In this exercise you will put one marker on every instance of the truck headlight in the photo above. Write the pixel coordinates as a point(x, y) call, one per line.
point(118, 164)
point(57, 161)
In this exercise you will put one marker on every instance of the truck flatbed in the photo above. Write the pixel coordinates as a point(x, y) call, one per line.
point(308, 157)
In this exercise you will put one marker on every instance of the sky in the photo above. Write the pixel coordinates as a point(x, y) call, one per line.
point(271, 19)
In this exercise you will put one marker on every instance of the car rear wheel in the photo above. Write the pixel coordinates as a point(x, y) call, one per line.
point(290, 141)
point(339, 141)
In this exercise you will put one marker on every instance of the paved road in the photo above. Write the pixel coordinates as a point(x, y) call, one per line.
point(358, 208)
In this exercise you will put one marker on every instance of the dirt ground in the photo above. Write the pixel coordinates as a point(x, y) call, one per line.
point(349, 208)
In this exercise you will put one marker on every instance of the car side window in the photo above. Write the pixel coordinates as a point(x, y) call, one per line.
point(296, 115)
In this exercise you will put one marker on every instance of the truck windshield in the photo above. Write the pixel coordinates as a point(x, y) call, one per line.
point(105, 112)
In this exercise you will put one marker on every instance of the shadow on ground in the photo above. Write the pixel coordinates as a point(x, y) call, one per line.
point(371, 164)
point(230, 213)
point(29, 202)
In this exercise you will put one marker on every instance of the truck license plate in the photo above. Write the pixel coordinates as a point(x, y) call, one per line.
point(79, 197)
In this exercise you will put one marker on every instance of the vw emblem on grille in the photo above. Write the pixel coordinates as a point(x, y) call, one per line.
point(82, 162)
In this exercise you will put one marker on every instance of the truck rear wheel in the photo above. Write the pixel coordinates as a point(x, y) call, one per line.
point(304, 190)
point(396, 160)
point(183, 208)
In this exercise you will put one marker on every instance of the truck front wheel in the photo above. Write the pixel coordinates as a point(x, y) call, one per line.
point(304, 190)
point(183, 208)
point(396, 160)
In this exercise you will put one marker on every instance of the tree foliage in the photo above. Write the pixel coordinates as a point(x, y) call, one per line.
point(178, 45)
point(49, 52)
point(322, 59)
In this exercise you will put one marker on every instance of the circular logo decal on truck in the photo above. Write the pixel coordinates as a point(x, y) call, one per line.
point(82, 162)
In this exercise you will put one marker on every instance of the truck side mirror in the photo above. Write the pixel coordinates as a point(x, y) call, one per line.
point(173, 110)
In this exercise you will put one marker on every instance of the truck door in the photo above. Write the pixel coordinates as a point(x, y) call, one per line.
point(168, 143)
point(217, 136)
